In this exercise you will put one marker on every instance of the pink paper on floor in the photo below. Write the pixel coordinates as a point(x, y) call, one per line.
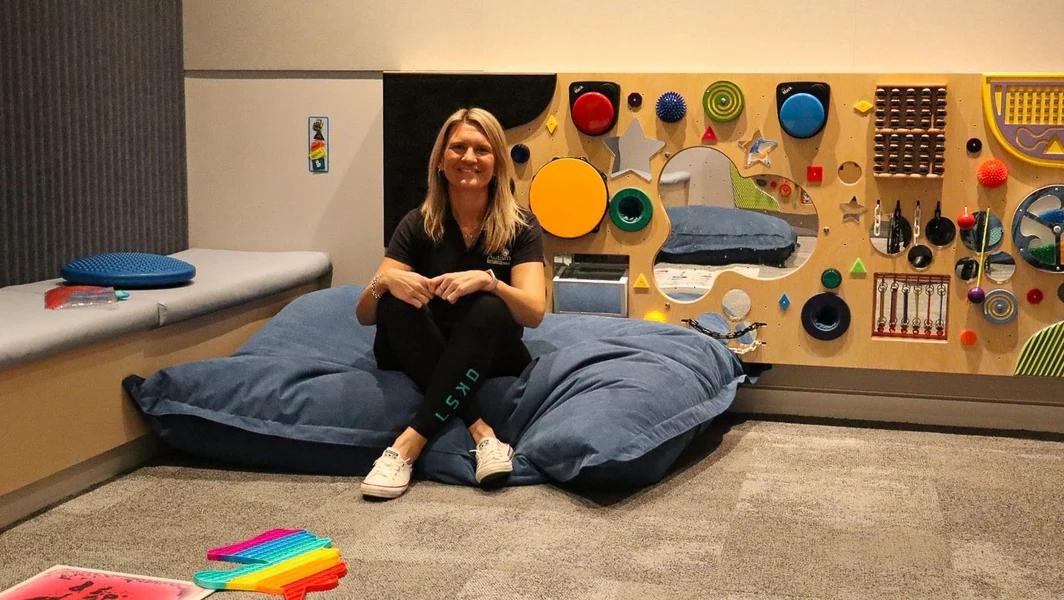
point(76, 583)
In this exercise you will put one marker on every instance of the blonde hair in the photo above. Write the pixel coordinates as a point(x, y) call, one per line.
point(503, 215)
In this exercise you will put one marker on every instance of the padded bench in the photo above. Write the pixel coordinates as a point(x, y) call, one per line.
point(67, 423)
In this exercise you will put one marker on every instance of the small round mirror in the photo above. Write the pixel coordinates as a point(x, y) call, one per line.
point(939, 230)
point(891, 234)
point(982, 238)
point(967, 269)
point(999, 267)
point(920, 257)
point(736, 304)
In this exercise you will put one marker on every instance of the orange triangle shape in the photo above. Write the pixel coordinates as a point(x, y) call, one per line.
point(641, 283)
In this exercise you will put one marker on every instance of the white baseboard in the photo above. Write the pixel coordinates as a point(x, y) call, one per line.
point(976, 413)
point(25, 501)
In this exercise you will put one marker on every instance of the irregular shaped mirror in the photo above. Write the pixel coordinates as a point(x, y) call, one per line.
point(763, 227)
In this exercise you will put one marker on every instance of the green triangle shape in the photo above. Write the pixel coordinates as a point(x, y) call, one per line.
point(858, 268)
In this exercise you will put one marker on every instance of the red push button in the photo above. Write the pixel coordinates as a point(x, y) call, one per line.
point(593, 113)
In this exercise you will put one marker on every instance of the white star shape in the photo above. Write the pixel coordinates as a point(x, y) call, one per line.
point(631, 151)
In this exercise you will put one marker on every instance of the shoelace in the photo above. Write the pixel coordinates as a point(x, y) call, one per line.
point(390, 463)
point(492, 451)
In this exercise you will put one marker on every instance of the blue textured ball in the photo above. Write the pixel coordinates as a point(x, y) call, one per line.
point(671, 107)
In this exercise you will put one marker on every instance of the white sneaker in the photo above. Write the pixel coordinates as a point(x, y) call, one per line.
point(494, 460)
point(389, 477)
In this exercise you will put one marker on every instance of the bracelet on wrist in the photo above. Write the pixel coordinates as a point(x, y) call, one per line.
point(494, 283)
point(373, 291)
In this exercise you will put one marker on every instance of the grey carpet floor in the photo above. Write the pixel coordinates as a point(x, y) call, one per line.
point(756, 509)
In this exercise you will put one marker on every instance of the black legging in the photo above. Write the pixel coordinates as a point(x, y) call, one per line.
point(449, 351)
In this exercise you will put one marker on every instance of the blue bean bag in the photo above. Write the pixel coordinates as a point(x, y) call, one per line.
point(606, 401)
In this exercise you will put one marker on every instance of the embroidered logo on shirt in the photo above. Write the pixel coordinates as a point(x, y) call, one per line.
point(501, 257)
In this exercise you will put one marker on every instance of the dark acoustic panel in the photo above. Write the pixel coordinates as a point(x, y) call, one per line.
point(93, 130)
point(416, 105)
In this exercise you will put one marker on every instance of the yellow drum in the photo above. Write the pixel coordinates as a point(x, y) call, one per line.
point(569, 197)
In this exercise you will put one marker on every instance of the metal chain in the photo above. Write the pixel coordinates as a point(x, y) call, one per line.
point(723, 336)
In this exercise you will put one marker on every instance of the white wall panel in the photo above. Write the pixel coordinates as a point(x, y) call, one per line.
point(249, 186)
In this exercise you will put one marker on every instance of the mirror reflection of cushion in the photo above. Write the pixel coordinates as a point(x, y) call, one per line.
point(606, 401)
point(719, 235)
point(128, 270)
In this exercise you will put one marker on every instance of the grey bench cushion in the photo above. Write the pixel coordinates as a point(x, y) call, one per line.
point(30, 331)
point(224, 278)
point(228, 277)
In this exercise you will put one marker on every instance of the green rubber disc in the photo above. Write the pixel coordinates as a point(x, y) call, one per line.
point(831, 278)
point(631, 209)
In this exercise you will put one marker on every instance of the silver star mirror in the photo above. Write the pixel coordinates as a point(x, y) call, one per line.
point(632, 151)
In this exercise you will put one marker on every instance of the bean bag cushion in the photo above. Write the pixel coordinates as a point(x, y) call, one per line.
point(606, 401)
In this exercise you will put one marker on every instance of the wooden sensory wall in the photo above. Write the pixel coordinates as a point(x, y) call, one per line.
point(819, 151)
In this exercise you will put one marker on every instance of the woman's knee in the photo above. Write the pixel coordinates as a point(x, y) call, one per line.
point(489, 311)
point(390, 308)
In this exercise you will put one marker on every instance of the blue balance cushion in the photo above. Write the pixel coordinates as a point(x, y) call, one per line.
point(606, 401)
point(717, 235)
point(128, 270)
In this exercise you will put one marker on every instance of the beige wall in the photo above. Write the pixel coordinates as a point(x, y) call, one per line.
point(249, 186)
point(626, 35)
point(256, 69)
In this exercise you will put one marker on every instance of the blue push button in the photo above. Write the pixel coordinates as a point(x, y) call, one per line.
point(802, 115)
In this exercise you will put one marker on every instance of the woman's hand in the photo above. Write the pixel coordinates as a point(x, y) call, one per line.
point(452, 286)
point(413, 288)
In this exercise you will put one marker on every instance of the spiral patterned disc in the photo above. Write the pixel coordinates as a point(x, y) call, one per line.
point(999, 307)
point(723, 101)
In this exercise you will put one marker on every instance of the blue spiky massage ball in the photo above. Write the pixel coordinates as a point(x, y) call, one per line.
point(671, 107)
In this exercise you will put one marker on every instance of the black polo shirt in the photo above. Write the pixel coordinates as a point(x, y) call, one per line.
point(410, 245)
